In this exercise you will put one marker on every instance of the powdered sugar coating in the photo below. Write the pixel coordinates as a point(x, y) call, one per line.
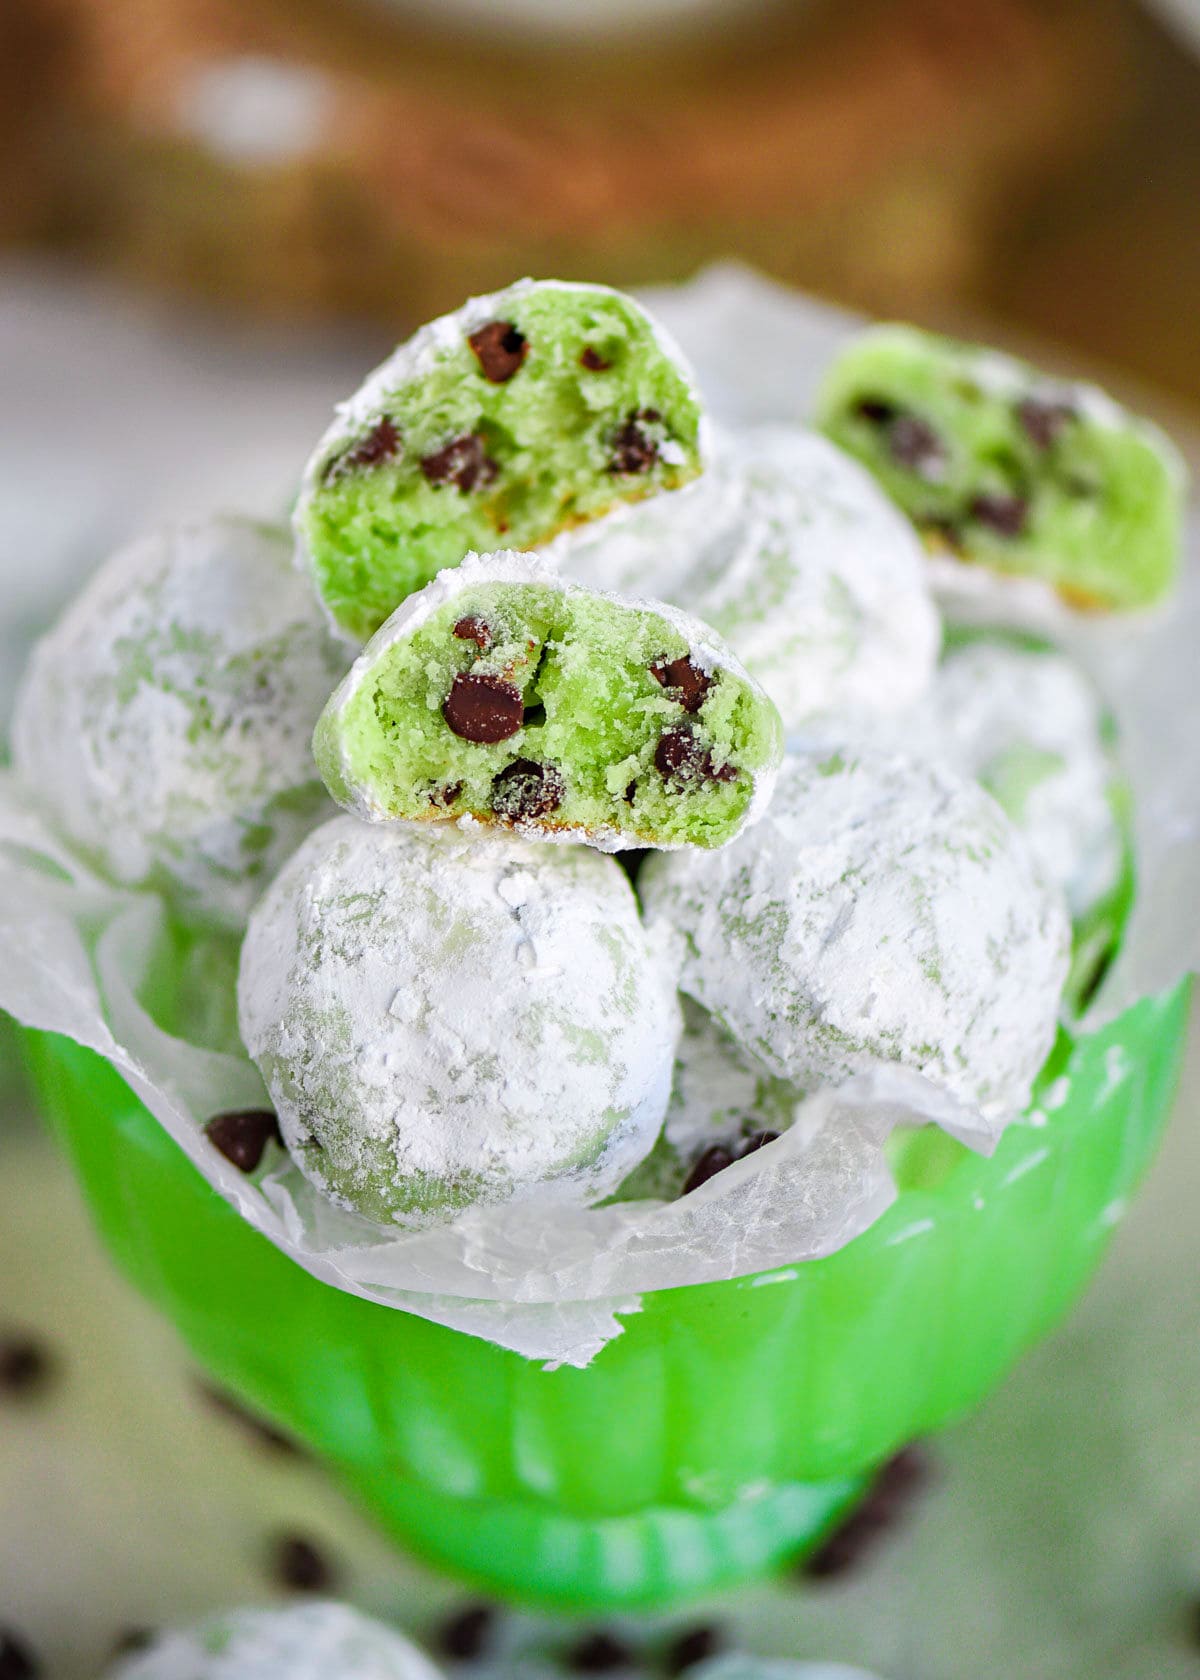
point(457, 1019)
point(1029, 726)
point(166, 719)
point(419, 355)
point(320, 1641)
point(884, 910)
point(789, 548)
point(707, 651)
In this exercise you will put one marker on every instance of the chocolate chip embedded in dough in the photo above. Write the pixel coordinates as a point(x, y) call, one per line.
point(381, 443)
point(243, 1135)
point(679, 757)
point(591, 359)
point(464, 463)
point(877, 410)
point(1004, 514)
point(500, 348)
point(913, 443)
point(527, 790)
point(472, 628)
point(684, 681)
point(633, 451)
point(1044, 419)
point(483, 709)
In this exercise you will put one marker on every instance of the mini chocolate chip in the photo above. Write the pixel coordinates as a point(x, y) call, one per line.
point(298, 1564)
point(875, 409)
point(466, 1635)
point(1043, 419)
point(914, 444)
point(592, 360)
point(1001, 513)
point(446, 795)
point(679, 757)
point(687, 681)
point(713, 1161)
point(501, 348)
point(526, 790)
point(474, 629)
point(17, 1661)
point(599, 1653)
point(264, 1434)
point(243, 1135)
point(483, 709)
point(881, 1507)
point(755, 1142)
point(131, 1640)
point(464, 462)
point(25, 1364)
point(692, 1646)
point(632, 450)
point(381, 444)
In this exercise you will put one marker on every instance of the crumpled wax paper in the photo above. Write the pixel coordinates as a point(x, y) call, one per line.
point(74, 954)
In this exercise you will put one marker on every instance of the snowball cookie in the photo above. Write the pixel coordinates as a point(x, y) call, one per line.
point(1002, 466)
point(789, 549)
point(539, 407)
point(503, 694)
point(1029, 726)
point(446, 1020)
point(884, 910)
point(318, 1641)
point(167, 718)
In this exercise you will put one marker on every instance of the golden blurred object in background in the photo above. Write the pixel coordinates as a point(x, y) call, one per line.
point(318, 156)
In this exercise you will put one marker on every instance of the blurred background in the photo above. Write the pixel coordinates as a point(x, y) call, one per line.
point(1033, 162)
point(214, 214)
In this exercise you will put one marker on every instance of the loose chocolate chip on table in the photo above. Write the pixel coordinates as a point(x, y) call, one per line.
point(1044, 420)
point(592, 360)
point(875, 409)
point(713, 1161)
point(632, 450)
point(527, 790)
point(465, 1636)
point(17, 1661)
point(599, 1653)
point(501, 348)
point(483, 709)
point(464, 462)
point(131, 1640)
point(243, 1135)
point(257, 1428)
point(692, 1646)
point(679, 757)
point(474, 629)
point(25, 1363)
point(881, 1508)
point(381, 444)
point(914, 444)
point(297, 1563)
point(685, 681)
point(1003, 514)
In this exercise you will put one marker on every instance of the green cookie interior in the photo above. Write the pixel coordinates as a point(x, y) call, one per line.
point(583, 410)
point(1020, 474)
point(599, 742)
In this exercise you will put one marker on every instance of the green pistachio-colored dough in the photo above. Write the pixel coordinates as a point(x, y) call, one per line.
point(524, 413)
point(622, 724)
point(999, 464)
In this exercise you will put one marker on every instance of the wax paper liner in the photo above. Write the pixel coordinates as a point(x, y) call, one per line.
point(75, 952)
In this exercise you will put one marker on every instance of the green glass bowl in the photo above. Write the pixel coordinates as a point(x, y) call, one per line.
point(727, 1428)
